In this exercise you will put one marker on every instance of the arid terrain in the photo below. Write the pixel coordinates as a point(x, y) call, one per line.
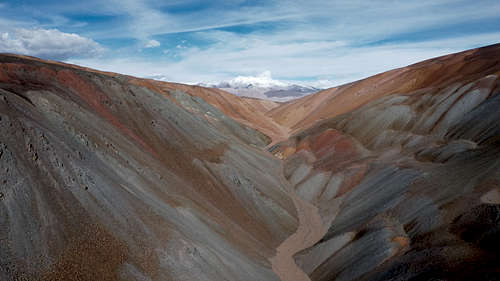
point(106, 176)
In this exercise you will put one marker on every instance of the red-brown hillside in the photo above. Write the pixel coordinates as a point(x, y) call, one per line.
point(110, 177)
point(461, 67)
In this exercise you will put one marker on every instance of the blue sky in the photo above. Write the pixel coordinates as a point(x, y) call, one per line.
point(320, 43)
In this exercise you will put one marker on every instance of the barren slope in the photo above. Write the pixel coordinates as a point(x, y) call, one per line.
point(409, 183)
point(462, 67)
point(248, 111)
point(110, 177)
point(103, 178)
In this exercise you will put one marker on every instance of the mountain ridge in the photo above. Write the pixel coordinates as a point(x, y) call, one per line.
point(329, 102)
point(111, 177)
point(281, 92)
point(261, 86)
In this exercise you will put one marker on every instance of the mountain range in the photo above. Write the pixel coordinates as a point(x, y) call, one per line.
point(264, 87)
point(105, 176)
point(261, 87)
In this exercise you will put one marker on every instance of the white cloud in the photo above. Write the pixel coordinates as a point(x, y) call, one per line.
point(143, 20)
point(340, 19)
point(324, 43)
point(152, 44)
point(262, 80)
point(48, 44)
point(310, 40)
point(326, 65)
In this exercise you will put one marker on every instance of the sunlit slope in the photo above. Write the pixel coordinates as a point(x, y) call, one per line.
point(408, 184)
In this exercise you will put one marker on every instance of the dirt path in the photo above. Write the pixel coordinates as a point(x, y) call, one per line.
point(310, 231)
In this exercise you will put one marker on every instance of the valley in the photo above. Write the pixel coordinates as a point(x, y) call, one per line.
point(105, 176)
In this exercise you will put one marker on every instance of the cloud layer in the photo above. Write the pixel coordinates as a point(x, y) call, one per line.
point(152, 44)
point(48, 44)
point(318, 64)
point(318, 43)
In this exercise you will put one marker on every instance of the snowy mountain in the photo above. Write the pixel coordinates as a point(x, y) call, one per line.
point(264, 87)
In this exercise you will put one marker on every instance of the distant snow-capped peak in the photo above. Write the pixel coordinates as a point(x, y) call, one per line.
point(263, 86)
point(263, 80)
point(260, 86)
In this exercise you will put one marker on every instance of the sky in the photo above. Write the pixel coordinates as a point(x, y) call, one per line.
point(316, 43)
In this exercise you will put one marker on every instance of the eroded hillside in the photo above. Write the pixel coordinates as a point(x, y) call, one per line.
point(110, 177)
point(105, 178)
point(408, 185)
point(463, 67)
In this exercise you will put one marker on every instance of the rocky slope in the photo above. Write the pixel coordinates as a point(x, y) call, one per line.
point(463, 67)
point(408, 184)
point(107, 177)
point(248, 111)
point(110, 177)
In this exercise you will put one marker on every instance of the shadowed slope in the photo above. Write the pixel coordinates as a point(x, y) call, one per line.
point(105, 179)
point(110, 177)
point(248, 111)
